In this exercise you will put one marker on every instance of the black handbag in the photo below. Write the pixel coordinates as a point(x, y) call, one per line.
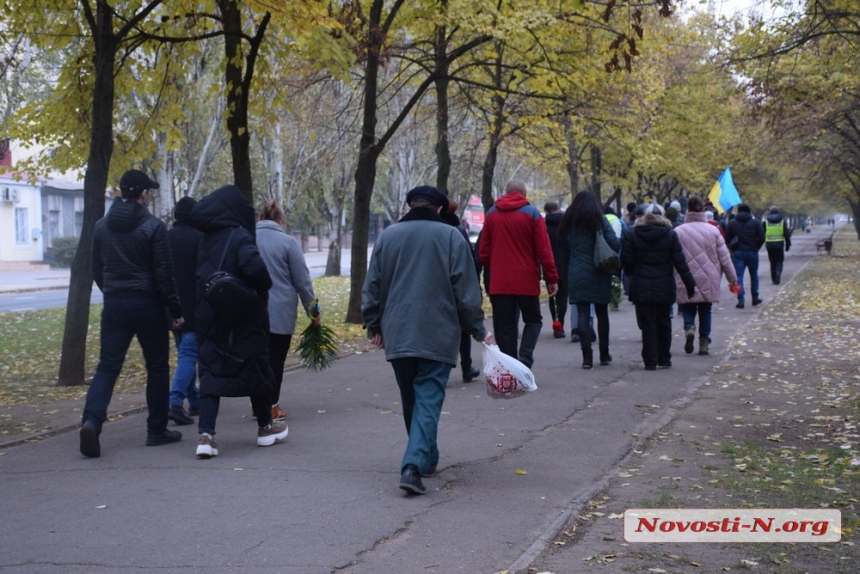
point(232, 300)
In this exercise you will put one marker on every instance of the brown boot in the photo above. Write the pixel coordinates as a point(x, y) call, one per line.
point(703, 345)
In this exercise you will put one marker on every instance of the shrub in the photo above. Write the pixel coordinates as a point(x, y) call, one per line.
point(62, 251)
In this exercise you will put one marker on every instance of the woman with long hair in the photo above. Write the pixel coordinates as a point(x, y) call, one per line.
point(587, 286)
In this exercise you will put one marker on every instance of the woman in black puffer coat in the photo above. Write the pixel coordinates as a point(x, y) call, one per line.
point(233, 357)
point(650, 252)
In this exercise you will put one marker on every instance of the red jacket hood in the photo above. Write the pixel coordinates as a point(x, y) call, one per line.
point(511, 201)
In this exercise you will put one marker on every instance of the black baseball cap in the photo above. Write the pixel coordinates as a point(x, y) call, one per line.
point(135, 181)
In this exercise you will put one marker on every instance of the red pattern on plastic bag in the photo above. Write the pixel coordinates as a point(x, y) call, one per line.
point(501, 384)
point(506, 377)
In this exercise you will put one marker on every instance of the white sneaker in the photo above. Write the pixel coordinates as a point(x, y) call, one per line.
point(206, 446)
point(266, 436)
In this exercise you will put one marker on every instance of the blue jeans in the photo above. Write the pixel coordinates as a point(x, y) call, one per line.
point(422, 390)
point(185, 376)
point(689, 311)
point(747, 260)
point(125, 316)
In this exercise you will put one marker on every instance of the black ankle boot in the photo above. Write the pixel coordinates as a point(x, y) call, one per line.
point(587, 359)
point(470, 373)
point(605, 357)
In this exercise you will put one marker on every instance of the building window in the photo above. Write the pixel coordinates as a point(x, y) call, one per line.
point(22, 229)
point(53, 225)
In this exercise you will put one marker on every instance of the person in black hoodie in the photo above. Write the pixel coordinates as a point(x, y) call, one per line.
point(777, 241)
point(559, 300)
point(132, 266)
point(184, 241)
point(650, 252)
point(233, 356)
point(745, 236)
point(470, 373)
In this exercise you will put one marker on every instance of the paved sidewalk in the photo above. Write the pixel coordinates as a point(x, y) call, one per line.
point(326, 500)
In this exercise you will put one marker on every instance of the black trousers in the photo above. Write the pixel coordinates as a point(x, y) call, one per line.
point(583, 312)
point(656, 328)
point(560, 299)
point(465, 351)
point(506, 309)
point(279, 346)
point(776, 256)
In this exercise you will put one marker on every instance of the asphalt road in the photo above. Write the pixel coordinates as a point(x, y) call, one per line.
point(35, 300)
point(510, 475)
point(53, 298)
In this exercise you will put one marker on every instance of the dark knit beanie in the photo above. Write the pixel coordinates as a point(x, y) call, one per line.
point(182, 211)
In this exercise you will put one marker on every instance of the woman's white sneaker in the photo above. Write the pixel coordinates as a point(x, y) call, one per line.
point(206, 446)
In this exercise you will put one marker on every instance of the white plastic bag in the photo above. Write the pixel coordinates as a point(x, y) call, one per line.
point(506, 377)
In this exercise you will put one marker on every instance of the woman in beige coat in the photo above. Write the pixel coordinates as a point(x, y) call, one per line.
point(708, 257)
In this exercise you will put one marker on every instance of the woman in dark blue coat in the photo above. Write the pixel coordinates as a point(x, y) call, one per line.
point(587, 286)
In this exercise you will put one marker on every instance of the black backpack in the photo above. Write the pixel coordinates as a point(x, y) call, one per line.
point(232, 300)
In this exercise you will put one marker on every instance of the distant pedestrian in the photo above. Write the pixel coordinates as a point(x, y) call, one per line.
point(777, 241)
point(708, 258)
point(291, 281)
point(587, 286)
point(559, 300)
point(184, 241)
point(750, 237)
point(470, 372)
point(132, 266)
point(515, 246)
point(420, 293)
point(618, 226)
point(630, 216)
point(650, 253)
point(233, 342)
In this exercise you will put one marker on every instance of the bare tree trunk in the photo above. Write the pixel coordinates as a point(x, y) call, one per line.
point(443, 151)
point(365, 172)
point(207, 153)
point(573, 160)
point(596, 169)
point(488, 170)
point(162, 207)
point(73, 357)
point(239, 84)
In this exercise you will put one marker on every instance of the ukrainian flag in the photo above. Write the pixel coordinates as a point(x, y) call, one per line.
point(724, 194)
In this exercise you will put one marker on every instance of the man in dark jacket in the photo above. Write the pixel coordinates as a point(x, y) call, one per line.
point(650, 253)
point(559, 300)
point(184, 241)
point(750, 237)
point(133, 268)
point(515, 246)
point(233, 343)
point(777, 241)
point(470, 372)
point(420, 293)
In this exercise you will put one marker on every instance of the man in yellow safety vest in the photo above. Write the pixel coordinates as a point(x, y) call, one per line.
point(777, 240)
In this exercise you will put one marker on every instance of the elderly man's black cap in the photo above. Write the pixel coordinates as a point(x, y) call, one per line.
point(429, 193)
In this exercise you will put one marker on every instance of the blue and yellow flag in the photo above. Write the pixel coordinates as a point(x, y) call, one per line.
point(724, 194)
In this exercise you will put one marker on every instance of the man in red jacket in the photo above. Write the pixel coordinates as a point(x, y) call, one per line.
point(514, 246)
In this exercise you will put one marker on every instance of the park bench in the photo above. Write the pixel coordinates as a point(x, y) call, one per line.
point(825, 244)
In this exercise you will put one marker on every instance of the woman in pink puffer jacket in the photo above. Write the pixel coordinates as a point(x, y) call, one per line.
point(708, 257)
